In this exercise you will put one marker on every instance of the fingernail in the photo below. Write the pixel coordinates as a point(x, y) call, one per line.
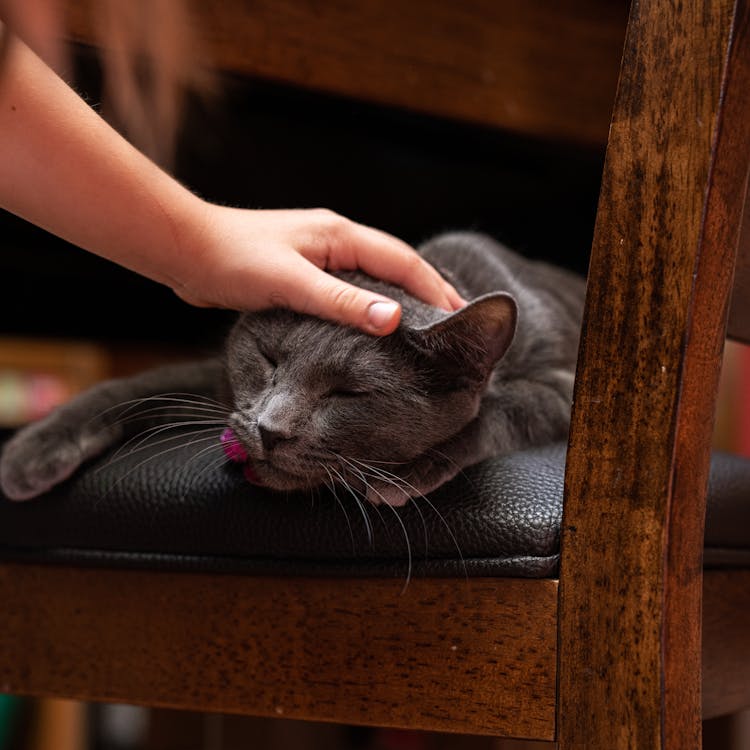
point(455, 299)
point(380, 313)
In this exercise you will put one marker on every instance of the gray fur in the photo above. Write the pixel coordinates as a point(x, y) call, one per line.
point(393, 417)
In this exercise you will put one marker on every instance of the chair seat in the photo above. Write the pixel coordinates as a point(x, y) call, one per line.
point(173, 510)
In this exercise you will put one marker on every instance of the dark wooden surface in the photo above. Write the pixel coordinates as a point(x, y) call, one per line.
point(739, 310)
point(547, 69)
point(448, 655)
point(705, 336)
point(659, 280)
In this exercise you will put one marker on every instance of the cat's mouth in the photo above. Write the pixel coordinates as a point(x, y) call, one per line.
point(236, 453)
point(264, 472)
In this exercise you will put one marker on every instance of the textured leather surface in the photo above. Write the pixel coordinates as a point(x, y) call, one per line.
point(727, 539)
point(179, 510)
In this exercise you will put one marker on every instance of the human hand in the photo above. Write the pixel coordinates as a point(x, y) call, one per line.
point(249, 260)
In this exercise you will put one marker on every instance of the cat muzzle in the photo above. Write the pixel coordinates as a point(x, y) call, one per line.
point(236, 453)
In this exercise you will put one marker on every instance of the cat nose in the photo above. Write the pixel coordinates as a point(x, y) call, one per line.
point(270, 437)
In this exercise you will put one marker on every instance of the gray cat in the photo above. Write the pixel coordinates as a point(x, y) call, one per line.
point(309, 403)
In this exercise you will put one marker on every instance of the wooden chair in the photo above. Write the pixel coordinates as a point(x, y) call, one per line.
point(609, 654)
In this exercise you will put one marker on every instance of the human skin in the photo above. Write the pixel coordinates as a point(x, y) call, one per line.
point(65, 169)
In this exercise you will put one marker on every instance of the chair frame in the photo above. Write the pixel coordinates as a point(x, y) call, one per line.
point(660, 280)
point(609, 656)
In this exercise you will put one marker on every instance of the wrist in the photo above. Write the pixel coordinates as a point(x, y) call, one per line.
point(196, 233)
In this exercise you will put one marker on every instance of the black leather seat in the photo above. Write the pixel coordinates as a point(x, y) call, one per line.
point(152, 509)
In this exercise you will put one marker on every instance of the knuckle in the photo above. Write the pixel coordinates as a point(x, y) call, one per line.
point(416, 271)
point(332, 223)
point(330, 238)
point(325, 217)
point(344, 298)
point(415, 264)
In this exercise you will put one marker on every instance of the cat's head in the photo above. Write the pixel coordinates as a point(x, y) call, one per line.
point(310, 399)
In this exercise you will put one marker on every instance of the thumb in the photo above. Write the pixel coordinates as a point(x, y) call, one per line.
point(345, 303)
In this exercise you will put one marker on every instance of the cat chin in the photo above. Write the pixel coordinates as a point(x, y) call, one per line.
point(276, 478)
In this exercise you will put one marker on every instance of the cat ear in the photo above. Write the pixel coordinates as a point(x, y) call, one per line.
point(473, 339)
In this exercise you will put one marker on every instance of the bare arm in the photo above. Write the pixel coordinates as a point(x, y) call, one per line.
point(64, 168)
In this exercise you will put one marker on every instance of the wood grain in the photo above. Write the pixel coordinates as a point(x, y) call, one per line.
point(739, 311)
point(472, 656)
point(704, 345)
point(540, 68)
point(653, 331)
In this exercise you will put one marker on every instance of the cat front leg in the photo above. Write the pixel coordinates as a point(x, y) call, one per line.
point(45, 453)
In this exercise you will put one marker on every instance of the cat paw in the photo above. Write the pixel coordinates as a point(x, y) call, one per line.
point(423, 477)
point(31, 464)
point(380, 493)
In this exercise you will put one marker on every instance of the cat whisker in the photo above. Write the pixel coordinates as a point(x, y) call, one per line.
point(211, 465)
point(460, 470)
point(371, 461)
point(385, 476)
point(170, 410)
point(358, 503)
point(347, 466)
point(417, 495)
point(145, 443)
point(167, 399)
point(405, 531)
point(188, 397)
point(445, 523)
point(406, 539)
point(343, 509)
point(420, 496)
point(173, 397)
point(159, 455)
point(366, 485)
point(142, 438)
point(220, 460)
point(208, 435)
point(187, 420)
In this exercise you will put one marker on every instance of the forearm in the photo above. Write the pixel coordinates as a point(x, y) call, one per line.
point(64, 168)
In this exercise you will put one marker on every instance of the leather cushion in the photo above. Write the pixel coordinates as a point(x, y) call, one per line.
point(179, 511)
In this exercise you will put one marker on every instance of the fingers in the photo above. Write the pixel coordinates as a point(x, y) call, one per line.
point(387, 258)
point(312, 291)
point(350, 305)
point(383, 256)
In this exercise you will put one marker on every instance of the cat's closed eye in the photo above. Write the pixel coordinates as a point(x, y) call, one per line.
point(270, 359)
point(347, 393)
